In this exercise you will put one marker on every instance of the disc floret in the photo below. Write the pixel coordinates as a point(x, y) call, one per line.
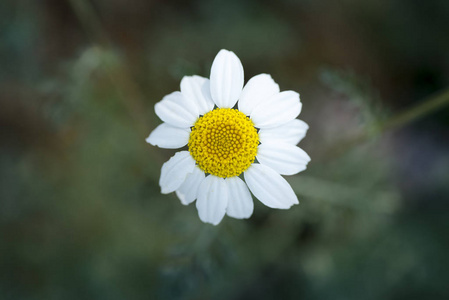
point(224, 142)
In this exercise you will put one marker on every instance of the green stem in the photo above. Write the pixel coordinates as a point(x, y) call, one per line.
point(429, 105)
point(90, 22)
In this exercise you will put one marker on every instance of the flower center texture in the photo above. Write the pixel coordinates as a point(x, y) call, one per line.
point(224, 142)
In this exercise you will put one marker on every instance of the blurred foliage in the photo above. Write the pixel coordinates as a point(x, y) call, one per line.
point(358, 91)
point(81, 214)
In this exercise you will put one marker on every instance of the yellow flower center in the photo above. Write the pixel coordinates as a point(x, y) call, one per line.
point(224, 142)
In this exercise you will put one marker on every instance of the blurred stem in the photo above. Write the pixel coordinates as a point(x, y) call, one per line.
point(120, 76)
point(429, 105)
point(90, 22)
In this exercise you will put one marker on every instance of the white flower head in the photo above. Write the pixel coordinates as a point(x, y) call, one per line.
point(227, 127)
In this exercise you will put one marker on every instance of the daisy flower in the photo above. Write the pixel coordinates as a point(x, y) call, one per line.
point(240, 141)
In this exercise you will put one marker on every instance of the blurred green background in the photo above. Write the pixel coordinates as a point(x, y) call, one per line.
point(81, 214)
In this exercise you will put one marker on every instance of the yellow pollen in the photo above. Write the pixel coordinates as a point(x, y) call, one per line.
point(224, 142)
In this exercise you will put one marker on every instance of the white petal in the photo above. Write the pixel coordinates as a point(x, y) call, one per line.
point(277, 110)
point(212, 199)
point(175, 170)
point(169, 137)
point(270, 187)
point(256, 90)
point(240, 202)
point(226, 79)
point(197, 90)
point(286, 159)
point(188, 191)
point(176, 110)
point(291, 132)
